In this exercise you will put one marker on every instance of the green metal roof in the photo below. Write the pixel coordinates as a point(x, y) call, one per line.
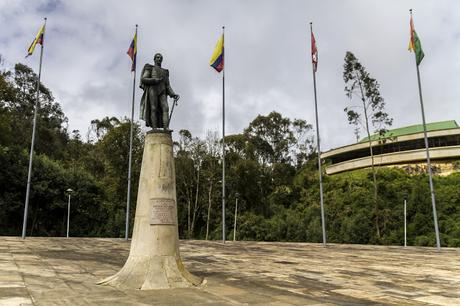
point(413, 129)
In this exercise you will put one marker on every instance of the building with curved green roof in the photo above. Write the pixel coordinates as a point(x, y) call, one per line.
point(402, 147)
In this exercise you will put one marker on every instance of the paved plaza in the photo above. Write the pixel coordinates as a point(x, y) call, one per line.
point(60, 271)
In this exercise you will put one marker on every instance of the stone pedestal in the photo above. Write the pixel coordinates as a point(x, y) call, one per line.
point(154, 260)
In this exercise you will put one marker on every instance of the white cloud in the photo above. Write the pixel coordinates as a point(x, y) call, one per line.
point(267, 57)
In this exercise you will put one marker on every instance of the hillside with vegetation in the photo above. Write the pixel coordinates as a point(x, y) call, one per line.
point(271, 165)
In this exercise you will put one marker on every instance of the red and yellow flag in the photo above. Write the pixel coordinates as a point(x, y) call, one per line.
point(38, 40)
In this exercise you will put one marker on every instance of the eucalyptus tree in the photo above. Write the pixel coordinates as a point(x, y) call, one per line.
point(101, 127)
point(212, 172)
point(277, 139)
point(371, 110)
point(52, 133)
point(189, 153)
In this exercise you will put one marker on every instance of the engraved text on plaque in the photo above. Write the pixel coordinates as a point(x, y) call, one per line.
point(162, 211)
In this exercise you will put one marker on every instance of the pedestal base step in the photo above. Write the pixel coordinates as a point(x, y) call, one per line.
point(152, 272)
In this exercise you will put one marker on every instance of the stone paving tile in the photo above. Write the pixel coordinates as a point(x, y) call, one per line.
point(14, 301)
point(64, 271)
point(14, 296)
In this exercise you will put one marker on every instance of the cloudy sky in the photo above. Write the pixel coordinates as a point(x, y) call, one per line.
point(267, 57)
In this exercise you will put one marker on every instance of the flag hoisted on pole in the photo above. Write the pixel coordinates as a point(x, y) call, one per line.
point(314, 50)
point(132, 53)
point(39, 39)
point(414, 43)
point(416, 47)
point(314, 64)
point(217, 62)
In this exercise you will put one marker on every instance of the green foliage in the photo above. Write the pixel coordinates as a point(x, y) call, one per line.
point(359, 83)
point(275, 139)
point(51, 135)
point(96, 171)
point(271, 169)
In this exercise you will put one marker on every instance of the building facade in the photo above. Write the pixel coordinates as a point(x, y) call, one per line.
point(402, 148)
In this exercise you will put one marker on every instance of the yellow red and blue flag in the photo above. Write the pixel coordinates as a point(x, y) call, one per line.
point(37, 40)
point(132, 52)
point(217, 58)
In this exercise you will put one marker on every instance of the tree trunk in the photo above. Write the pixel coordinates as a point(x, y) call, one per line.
point(209, 209)
point(34, 219)
point(376, 208)
point(189, 208)
point(63, 225)
point(189, 205)
point(195, 206)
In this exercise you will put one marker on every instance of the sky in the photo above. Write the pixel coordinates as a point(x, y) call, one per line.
point(267, 58)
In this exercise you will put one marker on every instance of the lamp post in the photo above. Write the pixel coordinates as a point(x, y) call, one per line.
point(69, 191)
point(237, 195)
point(405, 219)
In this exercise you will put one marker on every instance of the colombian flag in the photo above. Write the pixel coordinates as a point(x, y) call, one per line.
point(217, 58)
point(38, 40)
point(132, 52)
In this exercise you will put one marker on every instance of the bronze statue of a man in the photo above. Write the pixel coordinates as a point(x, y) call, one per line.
point(154, 103)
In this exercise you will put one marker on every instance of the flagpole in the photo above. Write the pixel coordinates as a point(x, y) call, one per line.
point(223, 136)
point(29, 174)
point(128, 194)
point(323, 223)
point(430, 172)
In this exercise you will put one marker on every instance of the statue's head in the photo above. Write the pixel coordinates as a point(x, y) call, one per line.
point(157, 59)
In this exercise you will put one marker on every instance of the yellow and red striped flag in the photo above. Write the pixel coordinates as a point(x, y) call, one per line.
point(38, 40)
